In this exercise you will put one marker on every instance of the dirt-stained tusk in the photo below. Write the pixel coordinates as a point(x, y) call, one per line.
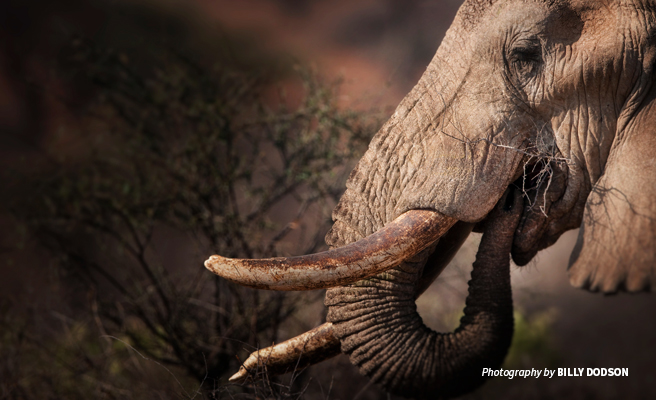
point(320, 343)
point(294, 354)
point(407, 235)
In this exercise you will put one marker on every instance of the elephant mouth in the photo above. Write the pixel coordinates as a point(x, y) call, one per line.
point(544, 187)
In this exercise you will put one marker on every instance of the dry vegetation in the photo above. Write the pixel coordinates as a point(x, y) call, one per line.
point(168, 160)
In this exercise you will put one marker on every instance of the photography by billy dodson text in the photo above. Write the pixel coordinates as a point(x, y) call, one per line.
point(550, 373)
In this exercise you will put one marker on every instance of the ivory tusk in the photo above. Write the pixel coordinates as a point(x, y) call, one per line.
point(320, 343)
point(407, 235)
point(296, 353)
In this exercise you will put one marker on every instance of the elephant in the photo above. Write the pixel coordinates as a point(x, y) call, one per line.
point(534, 117)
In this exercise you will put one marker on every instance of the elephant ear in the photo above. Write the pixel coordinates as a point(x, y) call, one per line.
point(616, 248)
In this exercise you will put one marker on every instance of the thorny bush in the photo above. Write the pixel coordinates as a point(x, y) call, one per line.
point(175, 161)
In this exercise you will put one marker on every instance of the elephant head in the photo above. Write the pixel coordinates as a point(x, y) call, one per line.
point(551, 99)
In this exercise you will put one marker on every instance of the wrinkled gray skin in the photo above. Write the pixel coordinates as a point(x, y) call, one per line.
point(553, 97)
point(378, 325)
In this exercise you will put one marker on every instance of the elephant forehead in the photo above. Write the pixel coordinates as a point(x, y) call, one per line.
point(472, 11)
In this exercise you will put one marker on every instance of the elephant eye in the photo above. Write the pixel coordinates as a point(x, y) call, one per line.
point(526, 56)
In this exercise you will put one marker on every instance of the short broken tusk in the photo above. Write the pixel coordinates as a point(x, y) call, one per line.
point(407, 235)
point(296, 353)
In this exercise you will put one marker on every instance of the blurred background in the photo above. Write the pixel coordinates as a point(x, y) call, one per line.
point(138, 137)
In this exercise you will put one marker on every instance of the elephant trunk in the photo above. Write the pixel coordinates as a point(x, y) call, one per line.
point(378, 325)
